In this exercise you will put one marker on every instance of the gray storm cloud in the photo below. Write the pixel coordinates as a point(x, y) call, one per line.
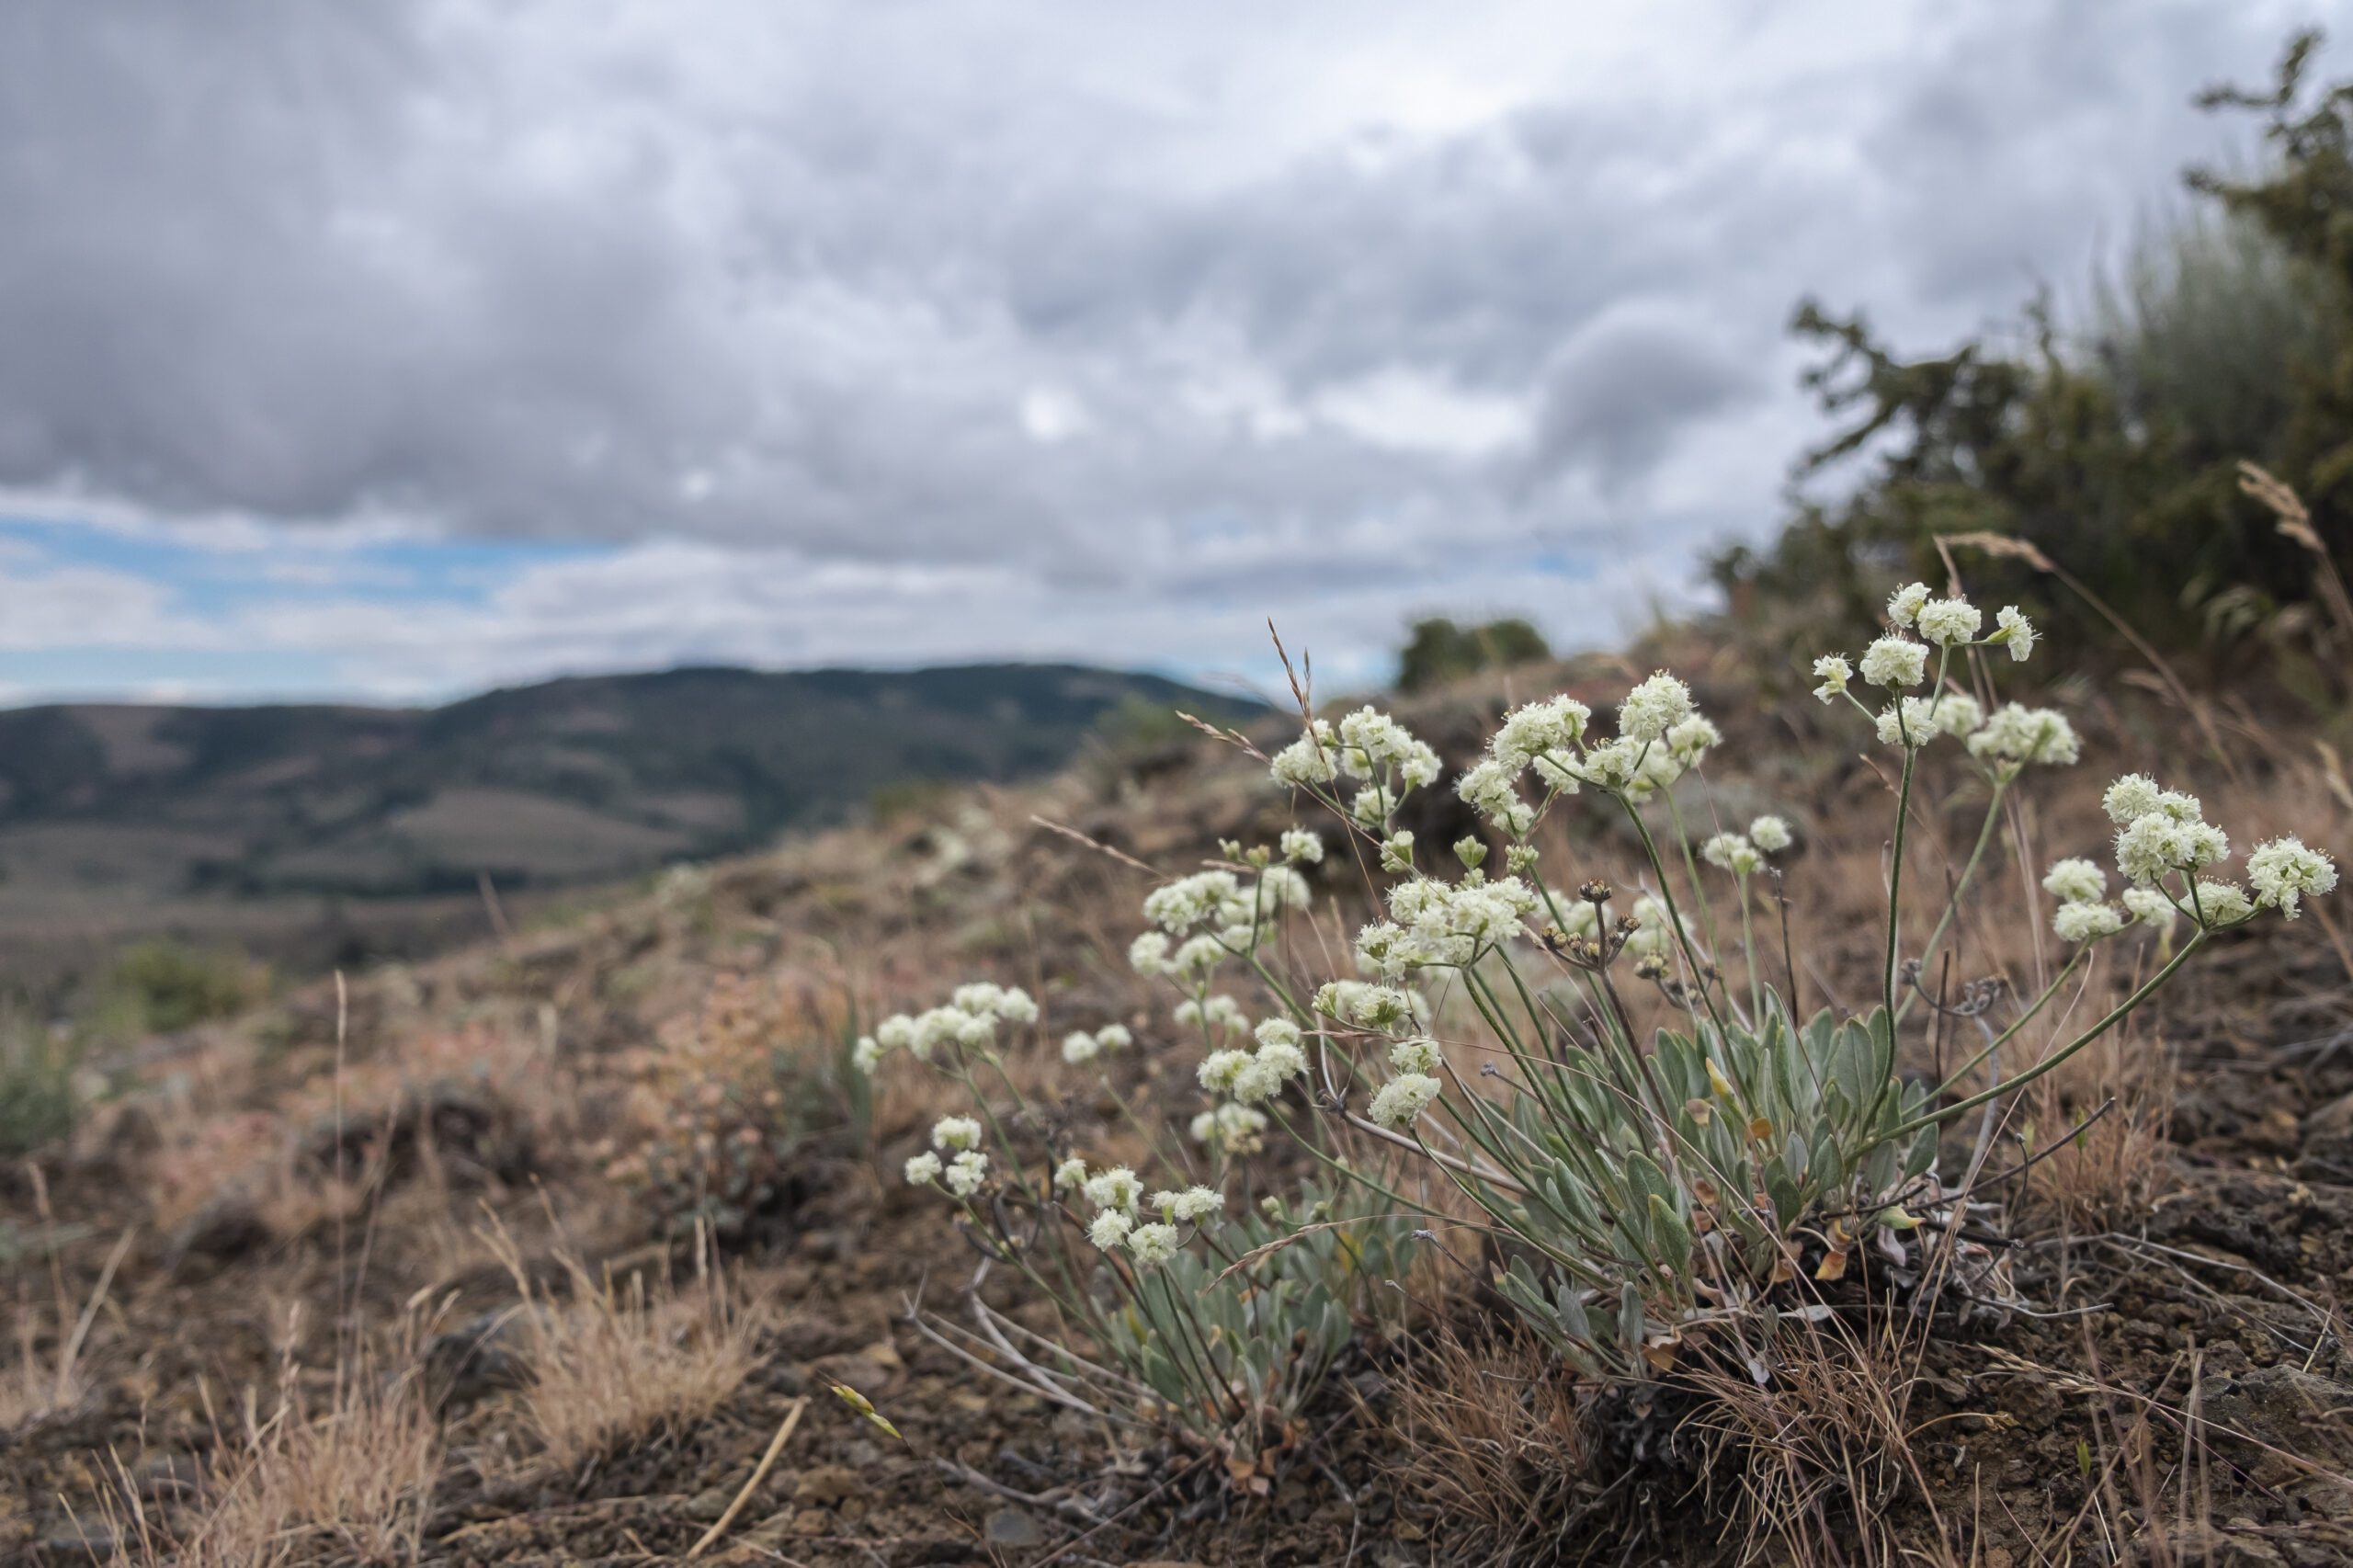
point(1198, 299)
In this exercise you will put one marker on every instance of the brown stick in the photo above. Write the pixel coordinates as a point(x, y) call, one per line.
point(760, 1473)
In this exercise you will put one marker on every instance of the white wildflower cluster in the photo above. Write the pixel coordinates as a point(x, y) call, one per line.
point(2281, 871)
point(1211, 1013)
point(1661, 735)
point(2006, 740)
point(2163, 834)
point(1258, 1074)
point(1236, 1129)
point(2013, 737)
point(2160, 831)
point(1300, 846)
point(1434, 923)
point(1201, 920)
point(968, 1020)
point(1117, 1194)
point(1080, 1046)
point(1744, 855)
point(1384, 1009)
point(958, 1137)
point(1367, 746)
point(1547, 737)
point(1404, 1097)
point(1656, 929)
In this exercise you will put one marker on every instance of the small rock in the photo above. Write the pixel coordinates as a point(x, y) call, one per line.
point(707, 1505)
point(827, 1485)
point(1013, 1526)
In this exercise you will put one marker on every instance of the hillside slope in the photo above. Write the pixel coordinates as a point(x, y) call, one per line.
point(118, 818)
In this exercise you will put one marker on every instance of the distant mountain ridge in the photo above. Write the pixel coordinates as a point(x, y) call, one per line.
point(108, 806)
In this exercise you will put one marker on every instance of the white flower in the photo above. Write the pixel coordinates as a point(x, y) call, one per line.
point(1219, 1069)
point(2150, 907)
point(1834, 673)
point(1110, 1228)
point(2221, 904)
point(1195, 1204)
point(1769, 834)
point(1733, 853)
point(1947, 621)
point(1236, 1127)
point(1491, 789)
point(2086, 922)
point(1367, 1007)
point(1579, 918)
point(1079, 1047)
point(1958, 712)
point(2282, 870)
point(1179, 906)
point(956, 1133)
point(1069, 1173)
point(2013, 737)
point(866, 1055)
point(2161, 841)
point(1197, 957)
point(2075, 882)
point(1418, 1055)
point(1307, 760)
point(1555, 724)
point(1689, 741)
point(896, 1032)
point(1904, 604)
point(1397, 852)
point(1151, 1246)
point(965, 1172)
point(1278, 1031)
point(1148, 954)
point(1895, 660)
point(983, 1000)
point(1114, 1037)
point(1371, 743)
point(1403, 1099)
point(1257, 1080)
point(1654, 706)
point(1118, 1188)
point(1654, 928)
point(1302, 846)
point(923, 1169)
point(2016, 633)
point(2135, 795)
point(1909, 721)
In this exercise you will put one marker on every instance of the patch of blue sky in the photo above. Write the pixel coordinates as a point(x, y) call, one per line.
point(201, 675)
point(207, 578)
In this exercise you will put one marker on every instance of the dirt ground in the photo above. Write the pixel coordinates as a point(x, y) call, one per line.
point(2177, 1389)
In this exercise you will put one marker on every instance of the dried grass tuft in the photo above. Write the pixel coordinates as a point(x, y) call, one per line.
point(615, 1361)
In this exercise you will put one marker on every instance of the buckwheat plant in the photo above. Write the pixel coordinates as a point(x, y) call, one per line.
point(1643, 1192)
point(1173, 1310)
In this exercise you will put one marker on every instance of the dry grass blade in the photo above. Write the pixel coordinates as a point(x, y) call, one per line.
point(759, 1472)
point(611, 1362)
point(1121, 856)
point(2296, 523)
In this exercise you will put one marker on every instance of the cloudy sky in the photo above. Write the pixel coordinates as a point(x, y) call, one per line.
point(400, 350)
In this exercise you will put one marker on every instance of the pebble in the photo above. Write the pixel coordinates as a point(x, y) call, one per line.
point(828, 1483)
point(1013, 1526)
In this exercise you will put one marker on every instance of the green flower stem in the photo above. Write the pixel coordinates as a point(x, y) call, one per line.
point(2115, 1015)
point(1682, 937)
point(2023, 1019)
point(1960, 886)
point(1691, 869)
